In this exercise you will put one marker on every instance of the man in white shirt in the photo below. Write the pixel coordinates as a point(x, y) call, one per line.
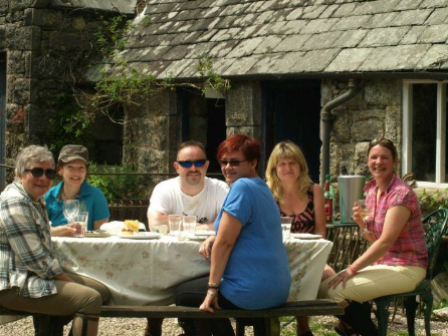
point(189, 194)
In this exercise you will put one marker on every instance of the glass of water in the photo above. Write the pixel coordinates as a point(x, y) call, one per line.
point(286, 227)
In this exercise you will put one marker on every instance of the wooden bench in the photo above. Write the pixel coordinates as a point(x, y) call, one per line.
point(299, 308)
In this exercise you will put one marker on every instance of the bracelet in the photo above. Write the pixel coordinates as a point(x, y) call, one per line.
point(212, 285)
point(352, 269)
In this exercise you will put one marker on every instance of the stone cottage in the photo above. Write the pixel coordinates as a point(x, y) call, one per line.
point(329, 75)
point(288, 62)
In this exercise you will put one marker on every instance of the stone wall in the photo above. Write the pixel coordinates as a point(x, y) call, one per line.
point(150, 133)
point(47, 49)
point(243, 109)
point(375, 112)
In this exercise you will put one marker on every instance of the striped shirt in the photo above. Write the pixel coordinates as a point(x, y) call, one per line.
point(410, 247)
point(26, 259)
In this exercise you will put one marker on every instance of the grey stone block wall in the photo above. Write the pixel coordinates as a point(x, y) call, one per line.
point(243, 109)
point(375, 112)
point(150, 135)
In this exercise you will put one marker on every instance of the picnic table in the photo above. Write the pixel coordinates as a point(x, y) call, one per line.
point(145, 272)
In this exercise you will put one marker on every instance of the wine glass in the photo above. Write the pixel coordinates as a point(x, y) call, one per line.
point(364, 210)
point(70, 209)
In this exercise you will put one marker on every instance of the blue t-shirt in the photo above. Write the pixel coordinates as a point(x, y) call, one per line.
point(257, 273)
point(91, 199)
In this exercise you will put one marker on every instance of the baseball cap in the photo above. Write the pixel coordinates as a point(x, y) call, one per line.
point(73, 152)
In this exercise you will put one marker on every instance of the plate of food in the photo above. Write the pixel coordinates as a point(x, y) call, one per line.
point(139, 235)
point(305, 236)
point(97, 234)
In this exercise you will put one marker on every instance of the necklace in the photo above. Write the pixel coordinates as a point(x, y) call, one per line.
point(64, 196)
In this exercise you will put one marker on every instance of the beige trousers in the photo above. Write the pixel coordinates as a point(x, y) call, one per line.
point(375, 281)
point(85, 296)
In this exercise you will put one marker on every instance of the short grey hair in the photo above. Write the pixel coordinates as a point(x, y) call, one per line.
point(32, 154)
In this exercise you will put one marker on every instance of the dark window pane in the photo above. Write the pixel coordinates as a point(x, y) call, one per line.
point(424, 131)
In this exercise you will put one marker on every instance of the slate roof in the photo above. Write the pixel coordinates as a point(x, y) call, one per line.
point(122, 6)
point(290, 37)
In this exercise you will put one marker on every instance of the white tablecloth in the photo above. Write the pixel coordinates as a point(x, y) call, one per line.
point(140, 272)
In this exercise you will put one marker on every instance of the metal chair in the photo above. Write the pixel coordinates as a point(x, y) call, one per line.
point(436, 226)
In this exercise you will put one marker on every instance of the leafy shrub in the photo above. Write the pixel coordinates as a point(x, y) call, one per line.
point(430, 201)
point(118, 183)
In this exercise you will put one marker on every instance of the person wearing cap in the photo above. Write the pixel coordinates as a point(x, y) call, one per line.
point(73, 165)
point(31, 278)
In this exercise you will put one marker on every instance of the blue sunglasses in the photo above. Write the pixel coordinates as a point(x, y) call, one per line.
point(188, 164)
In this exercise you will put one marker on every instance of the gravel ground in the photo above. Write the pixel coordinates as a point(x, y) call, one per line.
point(131, 327)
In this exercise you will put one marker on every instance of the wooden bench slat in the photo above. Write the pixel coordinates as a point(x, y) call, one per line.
point(300, 308)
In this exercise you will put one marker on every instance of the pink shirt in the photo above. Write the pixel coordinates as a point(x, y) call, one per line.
point(410, 247)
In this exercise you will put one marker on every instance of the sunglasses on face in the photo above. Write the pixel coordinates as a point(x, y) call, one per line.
point(38, 172)
point(189, 164)
point(232, 163)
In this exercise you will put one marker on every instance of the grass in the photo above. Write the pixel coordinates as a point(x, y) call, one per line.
point(321, 327)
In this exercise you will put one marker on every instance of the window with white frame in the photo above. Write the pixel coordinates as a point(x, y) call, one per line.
point(424, 132)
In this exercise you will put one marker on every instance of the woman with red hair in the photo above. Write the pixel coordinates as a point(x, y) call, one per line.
point(249, 267)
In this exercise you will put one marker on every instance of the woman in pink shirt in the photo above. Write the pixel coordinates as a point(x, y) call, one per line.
point(397, 259)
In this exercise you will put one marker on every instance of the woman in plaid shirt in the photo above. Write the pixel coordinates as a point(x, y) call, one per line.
point(397, 258)
point(31, 279)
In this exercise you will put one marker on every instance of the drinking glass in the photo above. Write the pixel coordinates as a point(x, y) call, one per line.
point(189, 225)
point(286, 227)
point(70, 209)
point(81, 220)
point(175, 223)
point(364, 210)
point(161, 228)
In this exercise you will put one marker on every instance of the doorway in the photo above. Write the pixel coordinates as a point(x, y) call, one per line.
point(202, 119)
point(216, 133)
point(2, 121)
point(291, 111)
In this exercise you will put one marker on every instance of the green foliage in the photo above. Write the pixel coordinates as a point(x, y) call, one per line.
point(110, 32)
point(434, 200)
point(211, 78)
point(119, 186)
point(441, 304)
point(68, 124)
point(124, 87)
point(146, 21)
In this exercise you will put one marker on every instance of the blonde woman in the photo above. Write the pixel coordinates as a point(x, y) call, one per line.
point(297, 196)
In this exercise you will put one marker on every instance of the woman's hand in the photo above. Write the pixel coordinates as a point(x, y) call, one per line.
point(206, 247)
point(210, 301)
point(341, 277)
point(68, 230)
point(357, 216)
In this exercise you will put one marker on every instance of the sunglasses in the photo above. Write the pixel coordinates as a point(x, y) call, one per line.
point(232, 163)
point(381, 140)
point(188, 164)
point(38, 172)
